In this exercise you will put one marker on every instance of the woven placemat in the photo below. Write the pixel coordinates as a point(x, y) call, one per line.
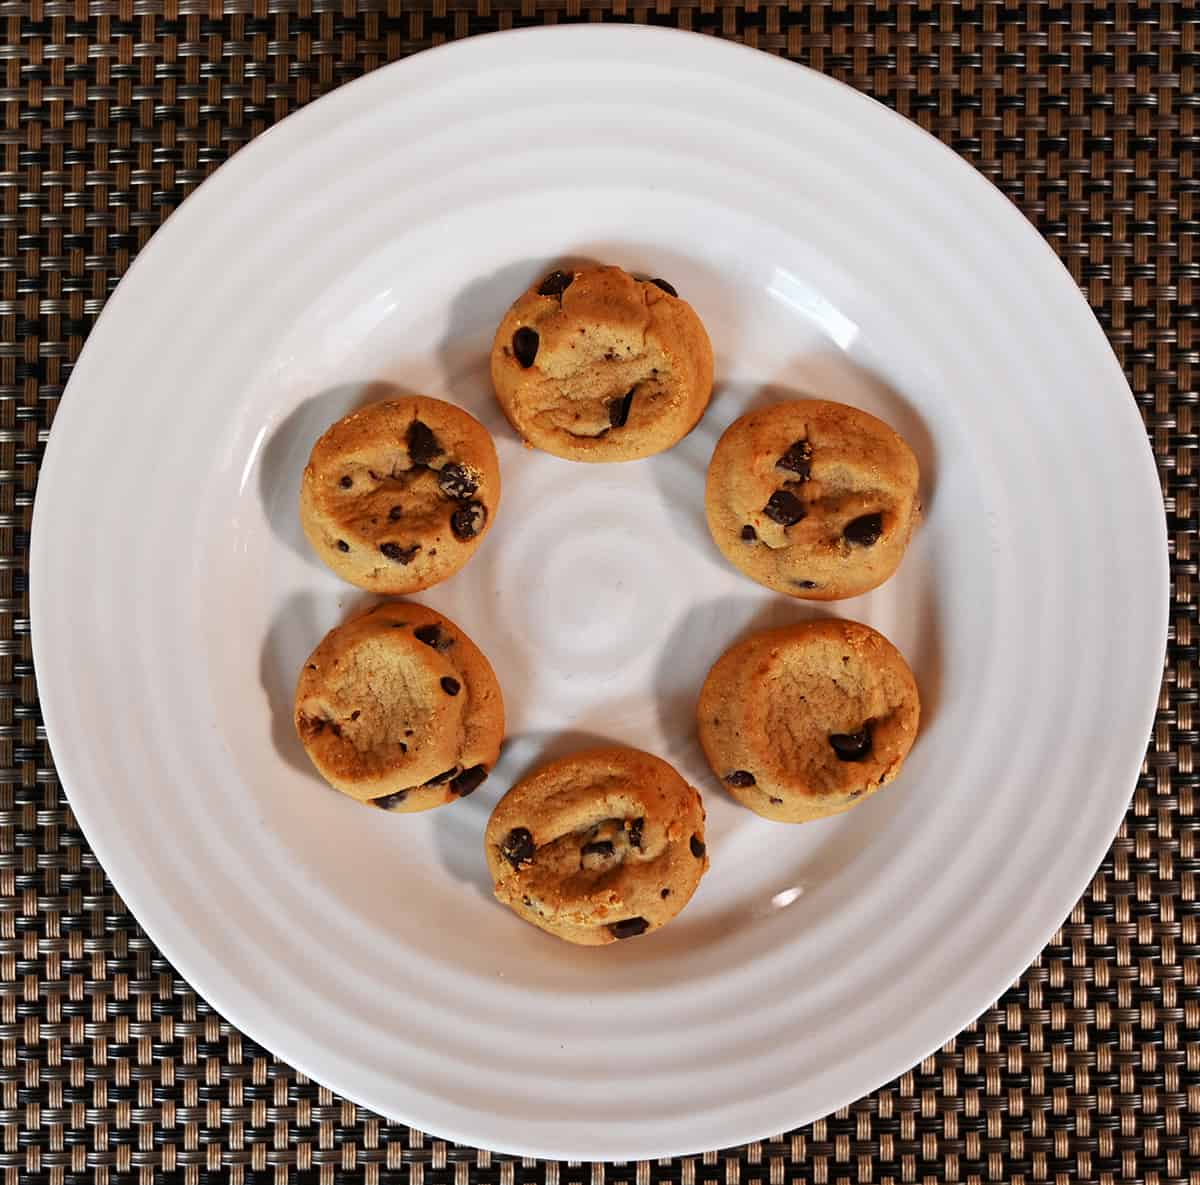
point(111, 1068)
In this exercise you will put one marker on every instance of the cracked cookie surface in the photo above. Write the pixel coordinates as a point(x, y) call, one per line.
point(814, 499)
point(808, 720)
point(600, 846)
point(400, 709)
point(592, 364)
point(398, 495)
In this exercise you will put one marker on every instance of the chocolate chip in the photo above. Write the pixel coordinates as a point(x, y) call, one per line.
point(797, 460)
point(749, 534)
point(451, 686)
point(525, 346)
point(390, 801)
point(635, 832)
point(784, 508)
point(346, 482)
point(355, 714)
point(343, 545)
point(395, 513)
point(517, 847)
point(665, 894)
point(851, 746)
point(669, 289)
point(444, 776)
point(618, 409)
point(469, 780)
point(312, 666)
point(805, 583)
point(864, 531)
point(422, 444)
point(555, 284)
point(455, 482)
point(629, 928)
point(697, 846)
point(602, 847)
point(432, 635)
point(777, 802)
point(740, 778)
point(402, 555)
point(468, 520)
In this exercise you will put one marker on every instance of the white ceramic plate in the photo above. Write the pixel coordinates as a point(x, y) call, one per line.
point(371, 243)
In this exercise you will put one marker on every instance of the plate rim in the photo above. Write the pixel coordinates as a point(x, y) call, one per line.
point(104, 841)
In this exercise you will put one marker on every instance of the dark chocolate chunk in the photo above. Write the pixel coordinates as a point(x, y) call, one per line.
point(797, 460)
point(805, 583)
point(432, 635)
point(444, 776)
point(402, 555)
point(740, 778)
point(355, 714)
point(422, 444)
point(468, 520)
point(865, 530)
point(665, 894)
point(635, 832)
point(618, 409)
point(346, 482)
point(669, 289)
point(749, 533)
point(601, 847)
point(851, 746)
point(343, 545)
point(629, 928)
point(451, 686)
point(455, 482)
point(390, 801)
point(777, 802)
point(517, 847)
point(395, 513)
point(525, 346)
point(784, 508)
point(697, 846)
point(555, 284)
point(469, 780)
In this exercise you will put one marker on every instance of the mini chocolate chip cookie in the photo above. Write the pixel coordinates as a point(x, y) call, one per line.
point(603, 845)
point(805, 721)
point(400, 709)
point(813, 499)
point(595, 365)
point(398, 495)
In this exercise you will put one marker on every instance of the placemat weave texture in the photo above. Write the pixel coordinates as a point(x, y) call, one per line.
point(1084, 114)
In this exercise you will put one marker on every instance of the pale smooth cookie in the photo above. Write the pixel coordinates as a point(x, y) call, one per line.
point(399, 708)
point(808, 720)
point(599, 846)
point(398, 495)
point(592, 364)
point(814, 499)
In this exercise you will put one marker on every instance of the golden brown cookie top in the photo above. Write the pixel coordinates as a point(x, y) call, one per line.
point(399, 707)
point(814, 499)
point(592, 364)
point(804, 721)
point(398, 495)
point(602, 845)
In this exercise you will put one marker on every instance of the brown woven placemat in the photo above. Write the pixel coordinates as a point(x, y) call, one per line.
point(112, 1070)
